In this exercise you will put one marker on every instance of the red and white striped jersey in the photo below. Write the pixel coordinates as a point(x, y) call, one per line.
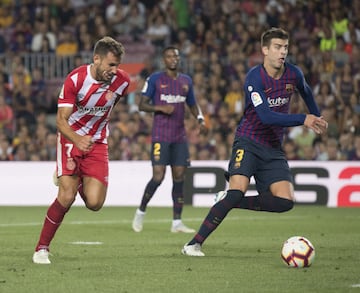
point(92, 101)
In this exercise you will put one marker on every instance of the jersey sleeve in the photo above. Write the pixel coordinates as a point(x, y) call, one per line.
point(190, 101)
point(306, 92)
point(149, 87)
point(254, 89)
point(123, 84)
point(67, 96)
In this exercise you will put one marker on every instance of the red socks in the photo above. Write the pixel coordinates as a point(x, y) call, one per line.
point(53, 219)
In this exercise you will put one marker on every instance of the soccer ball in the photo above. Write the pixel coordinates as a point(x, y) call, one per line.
point(219, 196)
point(298, 252)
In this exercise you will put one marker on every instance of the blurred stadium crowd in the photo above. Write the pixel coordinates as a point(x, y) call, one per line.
point(219, 42)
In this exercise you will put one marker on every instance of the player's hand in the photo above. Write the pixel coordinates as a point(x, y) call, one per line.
point(317, 124)
point(84, 143)
point(203, 128)
point(166, 109)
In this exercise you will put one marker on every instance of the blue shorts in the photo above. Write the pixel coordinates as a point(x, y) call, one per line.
point(267, 165)
point(170, 153)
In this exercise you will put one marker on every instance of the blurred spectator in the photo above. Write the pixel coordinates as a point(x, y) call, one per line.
point(7, 123)
point(115, 14)
point(66, 44)
point(345, 84)
point(353, 33)
point(340, 21)
point(327, 36)
point(325, 95)
point(42, 32)
point(346, 143)
point(218, 41)
point(38, 89)
point(6, 150)
point(6, 15)
point(158, 32)
point(290, 149)
point(234, 98)
point(3, 42)
point(303, 137)
point(65, 13)
point(332, 152)
point(354, 154)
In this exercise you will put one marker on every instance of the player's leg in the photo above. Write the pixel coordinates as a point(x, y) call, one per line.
point(159, 159)
point(278, 199)
point(93, 193)
point(54, 217)
point(152, 185)
point(179, 162)
point(93, 182)
point(274, 183)
point(241, 166)
point(178, 176)
point(67, 170)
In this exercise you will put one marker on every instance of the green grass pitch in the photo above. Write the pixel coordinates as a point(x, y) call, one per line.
point(99, 252)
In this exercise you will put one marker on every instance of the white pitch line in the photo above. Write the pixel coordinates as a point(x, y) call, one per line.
point(112, 222)
point(86, 242)
point(355, 286)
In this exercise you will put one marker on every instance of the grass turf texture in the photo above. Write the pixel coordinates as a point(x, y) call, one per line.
point(242, 255)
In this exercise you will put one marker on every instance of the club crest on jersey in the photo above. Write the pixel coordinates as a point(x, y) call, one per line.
point(256, 99)
point(109, 95)
point(185, 88)
point(289, 87)
point(70, 164)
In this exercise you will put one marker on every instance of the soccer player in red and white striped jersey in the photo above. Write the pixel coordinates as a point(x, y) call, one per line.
point(85, 102)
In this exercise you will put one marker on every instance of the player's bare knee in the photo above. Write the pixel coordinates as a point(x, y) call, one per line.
point(94, 205)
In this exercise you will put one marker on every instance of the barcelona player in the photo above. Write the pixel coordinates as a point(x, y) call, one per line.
point(257, 147)
point(165, 94)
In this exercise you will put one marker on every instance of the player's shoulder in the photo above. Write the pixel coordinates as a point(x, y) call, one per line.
point(255, 70)
point(153, 77)
point(157, 74)
point(185, 76)
point(294, 68)
point(82, 69)
point(122, 74)
point(254, 74)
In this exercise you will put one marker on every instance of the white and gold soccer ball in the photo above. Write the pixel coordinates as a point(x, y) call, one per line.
point(298, 252)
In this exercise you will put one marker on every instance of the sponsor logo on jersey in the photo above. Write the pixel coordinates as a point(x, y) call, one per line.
point(172, 99)
point(96, 111)
point(277, 102)
point(256, 99)
point(163, 86)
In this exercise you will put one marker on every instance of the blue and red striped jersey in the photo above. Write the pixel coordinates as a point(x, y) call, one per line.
point(163, 89)
point(267, 103)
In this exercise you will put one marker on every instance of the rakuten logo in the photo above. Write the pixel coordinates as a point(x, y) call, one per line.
point(171, 99)
point(279, 101)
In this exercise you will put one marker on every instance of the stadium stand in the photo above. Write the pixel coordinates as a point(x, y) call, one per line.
point(219, 41)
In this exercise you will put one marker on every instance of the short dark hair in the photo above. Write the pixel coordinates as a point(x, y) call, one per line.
point(107, 44)
point(169, 48)
point(273, 33)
